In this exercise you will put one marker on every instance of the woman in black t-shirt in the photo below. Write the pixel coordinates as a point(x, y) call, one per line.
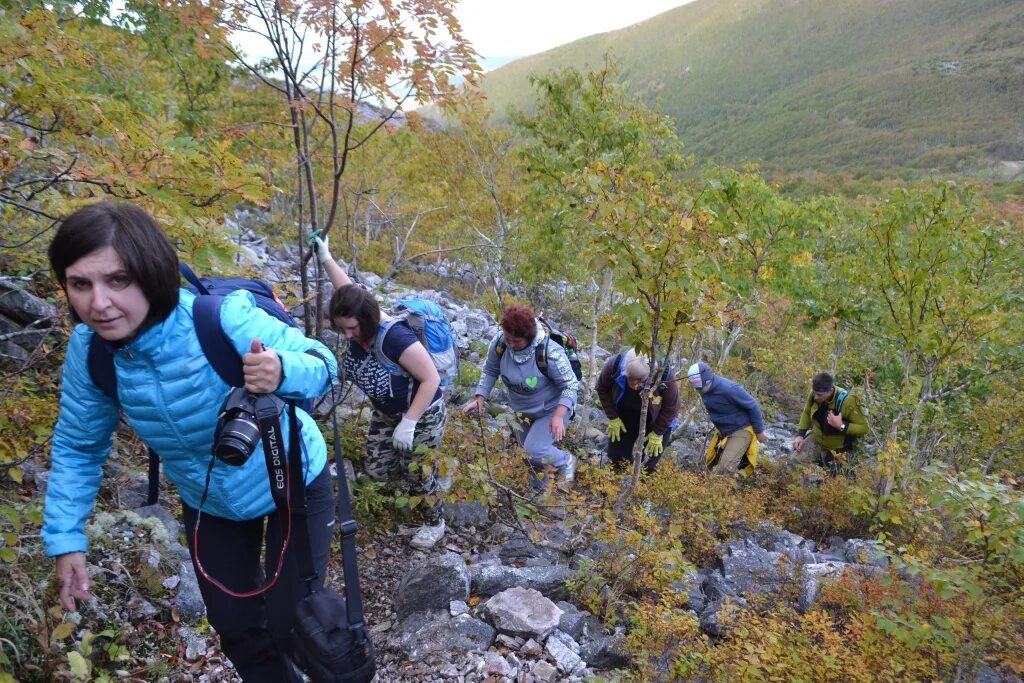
point(404, 388)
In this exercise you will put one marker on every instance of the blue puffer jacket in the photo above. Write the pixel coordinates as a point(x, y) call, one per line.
point(171, 395)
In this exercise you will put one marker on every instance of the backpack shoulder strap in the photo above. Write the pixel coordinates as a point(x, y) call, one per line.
point(216, 346)
point(500, 347)
point(101, 369)
point(193, 279)
point(620, 363)
point(541, 355)
point(840, 397)
point(378, 346)
point(101, 366)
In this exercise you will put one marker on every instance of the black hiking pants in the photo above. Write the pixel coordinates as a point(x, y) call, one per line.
point(255, 632)
point(621, 453)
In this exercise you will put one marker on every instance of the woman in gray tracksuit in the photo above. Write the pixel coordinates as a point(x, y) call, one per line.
point(542, 391)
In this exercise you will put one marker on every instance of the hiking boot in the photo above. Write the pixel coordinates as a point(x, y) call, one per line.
point(427, 536)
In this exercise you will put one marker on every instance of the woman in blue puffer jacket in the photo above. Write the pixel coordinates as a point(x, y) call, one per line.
point(120, 275)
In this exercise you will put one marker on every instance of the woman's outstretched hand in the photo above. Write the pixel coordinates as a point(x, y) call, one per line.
point(74, 580)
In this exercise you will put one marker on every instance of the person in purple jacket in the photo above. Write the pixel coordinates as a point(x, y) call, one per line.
point(734, 412)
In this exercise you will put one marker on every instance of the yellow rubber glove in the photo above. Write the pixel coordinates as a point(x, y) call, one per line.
point(654, 445)
point(615, 429)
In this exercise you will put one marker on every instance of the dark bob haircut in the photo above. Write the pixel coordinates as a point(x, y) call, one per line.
point(147, 254)
point(519, 322)
point(352, 301)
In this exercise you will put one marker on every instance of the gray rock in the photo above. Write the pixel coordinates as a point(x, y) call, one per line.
point(797, 549)
point(531, 647)
point(549, 580)
point(511, 642)
point(691, 586)
point(544, 673)
point(494, 664)
point(986, 674)
point(432, 586)
point(753, 569)
point(572, 619)
point(163, 514)
point(606, 652)
point(475, 634)
point(859, 551)
point(467, 514)
point(141, 607)
point(14, 352)
point(23, 338)
point(426, 633)
point(565, 651)
point(593, 552)
point(522, 612)
point(811, 576)
point(835, 552)
point(23, 307)
point(709, 621)
point(188, 599)
point(519, 548)
point(716, 587)
point(195, 644)
point(592, 627)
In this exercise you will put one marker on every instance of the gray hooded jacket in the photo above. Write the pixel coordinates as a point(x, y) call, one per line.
point(532, 393)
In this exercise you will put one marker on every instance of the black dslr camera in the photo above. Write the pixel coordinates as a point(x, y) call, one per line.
point(238, 428)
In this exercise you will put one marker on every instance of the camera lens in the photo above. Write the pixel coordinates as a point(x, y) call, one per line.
point(238, 439)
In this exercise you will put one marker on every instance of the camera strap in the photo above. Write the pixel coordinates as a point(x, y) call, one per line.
point(347, 530)
point(268, 415)
point(287, 485)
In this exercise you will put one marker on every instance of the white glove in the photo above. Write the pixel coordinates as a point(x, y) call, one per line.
point(402, 438)
point(322, 253)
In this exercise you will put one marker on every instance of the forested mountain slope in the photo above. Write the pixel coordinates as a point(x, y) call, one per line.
point(821, 84)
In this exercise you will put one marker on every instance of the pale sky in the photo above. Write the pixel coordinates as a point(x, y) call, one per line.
point(501, 31)
point(525, 27)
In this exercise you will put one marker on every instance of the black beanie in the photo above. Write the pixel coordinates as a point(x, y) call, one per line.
point(822, 383)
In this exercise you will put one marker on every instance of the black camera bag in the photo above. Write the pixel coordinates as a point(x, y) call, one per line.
point(326, 646)
point(329, 637)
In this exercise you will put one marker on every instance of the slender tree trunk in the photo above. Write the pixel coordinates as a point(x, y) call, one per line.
point(638, 445)
point(735, 332)
point(913, 443)
point(600, 303)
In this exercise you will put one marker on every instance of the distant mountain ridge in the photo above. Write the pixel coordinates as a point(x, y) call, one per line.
point(914, 86)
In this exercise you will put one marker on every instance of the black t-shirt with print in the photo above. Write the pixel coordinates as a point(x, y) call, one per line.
point(390, 393)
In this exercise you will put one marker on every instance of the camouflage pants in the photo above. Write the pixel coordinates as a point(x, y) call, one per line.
point(384, 462)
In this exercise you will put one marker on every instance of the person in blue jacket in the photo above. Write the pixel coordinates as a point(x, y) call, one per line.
point(734, 412)
point(120, 275)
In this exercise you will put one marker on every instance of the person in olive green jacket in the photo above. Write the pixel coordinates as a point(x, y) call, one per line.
point(827, 434)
